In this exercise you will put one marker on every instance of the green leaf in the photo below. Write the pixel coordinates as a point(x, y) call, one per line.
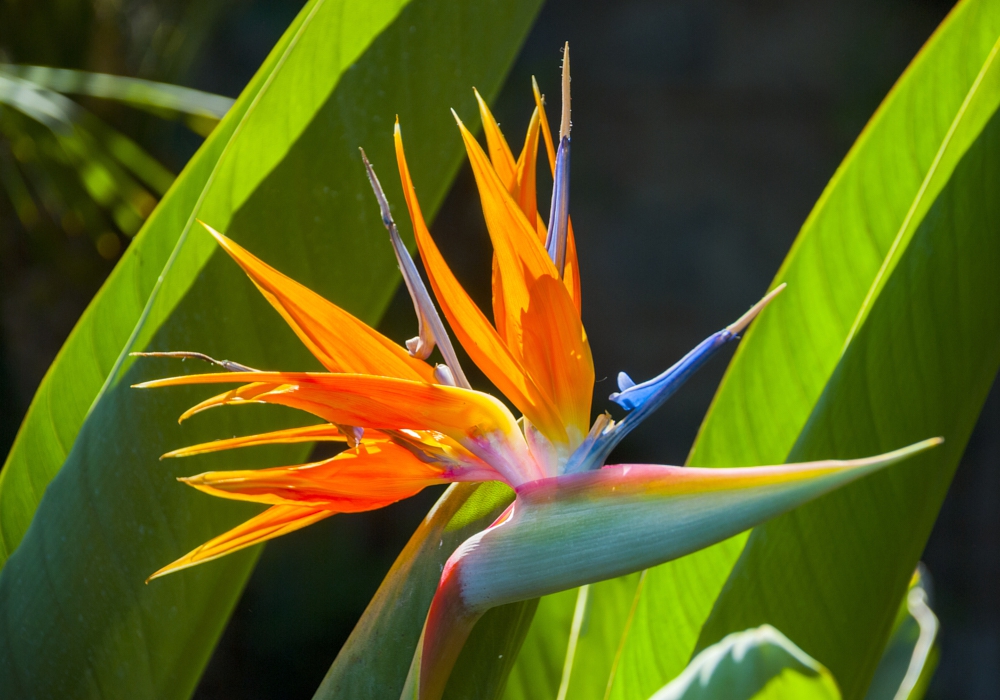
point(748, 665)
point(886, 334)
point(682, 596)
point(281, 174)
point(201, 110)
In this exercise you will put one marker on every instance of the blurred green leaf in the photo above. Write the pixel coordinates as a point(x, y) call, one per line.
point(103, 160)
point(750, 664)
point(134, 91)
point(886, 334)
point(280, 174)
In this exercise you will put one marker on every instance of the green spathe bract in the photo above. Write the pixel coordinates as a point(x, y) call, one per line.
point(591, 526)
point(612, 521)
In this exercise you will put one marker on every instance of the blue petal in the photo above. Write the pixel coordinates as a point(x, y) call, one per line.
point(642, 399)
point(555, 242)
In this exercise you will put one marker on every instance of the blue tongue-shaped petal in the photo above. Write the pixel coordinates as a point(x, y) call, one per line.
point(651, 394)
point(624, 382)
point(644, 398)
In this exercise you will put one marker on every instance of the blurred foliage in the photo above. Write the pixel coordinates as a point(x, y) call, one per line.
point(63, 166)
point(79, 176)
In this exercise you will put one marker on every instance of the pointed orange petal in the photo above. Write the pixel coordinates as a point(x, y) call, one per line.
point(500, 153)
point(273, 522)
point(287, 395)
point(341, 342)
point(527, 164)
point(366, 400)
point(550, 147)
point(520, 256)
point(509, 229)
point(477, 421)
point(473, 330)
point(325, 432)
point(373, 476)
point(571, 273)
point(500, 317)
point(526, 200)
point(557, 354)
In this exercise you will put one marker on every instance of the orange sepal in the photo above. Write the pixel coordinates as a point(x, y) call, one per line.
point(368, 400)
point(287, 395)
point(550, 147)
point(341, 342)
point(367, 478)
point(527, 165)
point(522, 258)
point(476, 420)
point(526, 200)
point(523, 265)
point(325, 432)
point(273, 522)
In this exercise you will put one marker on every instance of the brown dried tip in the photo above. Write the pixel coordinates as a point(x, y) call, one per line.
point(564, 124)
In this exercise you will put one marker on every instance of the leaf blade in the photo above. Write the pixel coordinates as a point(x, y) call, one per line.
point(780, 369)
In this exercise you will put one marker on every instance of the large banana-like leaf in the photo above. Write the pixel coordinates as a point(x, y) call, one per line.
point(86, 510)
point(887, 331)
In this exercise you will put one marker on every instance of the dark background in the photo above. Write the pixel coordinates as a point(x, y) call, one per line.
point(704, 131)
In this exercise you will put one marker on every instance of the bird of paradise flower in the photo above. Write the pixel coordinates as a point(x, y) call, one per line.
point(409, 424)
